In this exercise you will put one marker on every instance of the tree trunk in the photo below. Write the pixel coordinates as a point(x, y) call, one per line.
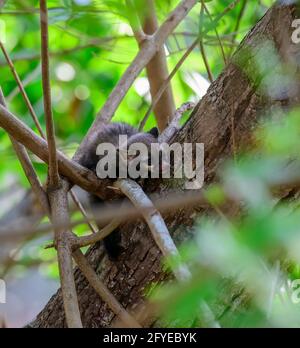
point(223, 121)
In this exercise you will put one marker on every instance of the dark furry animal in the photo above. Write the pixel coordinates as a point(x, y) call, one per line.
point(110, 134)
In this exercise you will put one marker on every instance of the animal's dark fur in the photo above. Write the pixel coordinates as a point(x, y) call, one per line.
point(110, 134)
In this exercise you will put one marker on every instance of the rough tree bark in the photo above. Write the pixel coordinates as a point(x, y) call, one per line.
point(223, 121)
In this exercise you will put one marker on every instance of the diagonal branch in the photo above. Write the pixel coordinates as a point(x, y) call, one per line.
point(96, 237)
point(237, 25)
point(83, 212)
point(22, 90)
point(28, 168)
point(155, 222)
point(166, 83)
point(202, 48)
point(76, 173)
point(174, 126)
point(162, 238)
point(216, 31)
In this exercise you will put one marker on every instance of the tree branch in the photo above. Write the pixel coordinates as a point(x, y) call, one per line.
point(174, 126)
point(166, 83)
point(82, 210)
point(155, 222)
point(21, 88)
point(53, 175)
point(135, 23)
point(162, 238)
point(170, 203)
point(28, 168)
point(181, 61)
point(96, 237)
point(157, 72)
point(77, 174)
point(147, 51)
point(22, 153)
point(63, 236)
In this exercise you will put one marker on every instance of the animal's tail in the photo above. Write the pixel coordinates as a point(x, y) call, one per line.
point(112, 243)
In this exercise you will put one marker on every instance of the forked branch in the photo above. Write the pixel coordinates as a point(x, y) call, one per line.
point(76, 173)
point(58, 190)
point(63, 236)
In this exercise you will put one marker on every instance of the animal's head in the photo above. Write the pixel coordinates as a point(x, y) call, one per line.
point(143, 152)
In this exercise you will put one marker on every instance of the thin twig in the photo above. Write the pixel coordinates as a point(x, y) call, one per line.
point(76, 173)
point(216, 31)
point(202, 49)
point(203, 53)
point(22, 89)
point(166, 204)
point(135, 23)
point(183, 58)
point(27, 80)
point(93, 238)
point(82, 210)
point(238, 22)
point(96, 237)
point(28, 168)
point(165, 84)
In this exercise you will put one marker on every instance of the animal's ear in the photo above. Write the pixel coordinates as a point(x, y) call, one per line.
point(154, 131)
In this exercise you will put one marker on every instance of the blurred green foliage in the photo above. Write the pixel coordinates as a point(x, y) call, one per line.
point(91, 45)
point(252, 258)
